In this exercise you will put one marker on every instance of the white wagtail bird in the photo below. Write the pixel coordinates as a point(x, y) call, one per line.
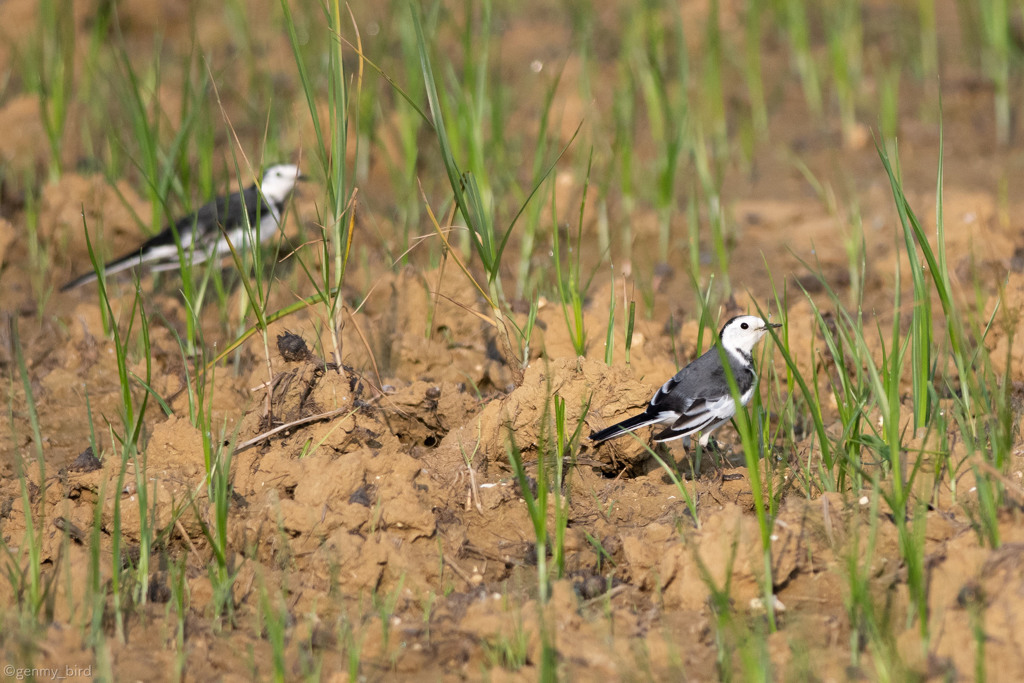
point(698, 398)
point(202, 234)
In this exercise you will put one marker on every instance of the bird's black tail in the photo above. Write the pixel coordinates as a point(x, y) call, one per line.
point(78, 281)
point(116, 266)
point(624, 427)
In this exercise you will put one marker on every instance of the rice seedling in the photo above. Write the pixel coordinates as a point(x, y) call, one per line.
point(712, 109)
point(630, 322)
point(571, 288)
point(407, 124)
point(24, 570)
point(603, 556)
point(385, 606)
point(96, 593)
point(693, 226)
point(427, 603)
point(845, 37)
point(528, 235)
point(350, 643)
point(857, 597)
point(677, 481)
point(132, 417)
point(753, 452)
point(710, 175)
point(566, 445)
point(796, 24)
point(979, 392)
point(49, 71)
point(733, 637)
point(753, 34)
point(976, 610)
point(180, 603)
point(609, 338)
point(136, 95)
point(38, 256)
point(221, 571)
point(508, 651)
point(556, 448)
point(624, 111)
point(536, 498)
point(92, 79)
point(332, 150)
point(921, 321)
point(487, 243)
point(996, 56)
point(662, 74)
point(929, 37)
point(147, 513)
point(273, 621)
point(166, 166)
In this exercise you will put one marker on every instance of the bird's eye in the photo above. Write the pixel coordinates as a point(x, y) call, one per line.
point(745, 326)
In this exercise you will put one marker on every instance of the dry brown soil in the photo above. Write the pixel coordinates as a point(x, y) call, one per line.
point(407, 500)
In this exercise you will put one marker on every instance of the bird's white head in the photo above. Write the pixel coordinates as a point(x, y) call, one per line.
point(743, 332)
point(279, 181)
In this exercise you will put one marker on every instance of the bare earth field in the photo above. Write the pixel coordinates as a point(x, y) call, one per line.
point(390, 538)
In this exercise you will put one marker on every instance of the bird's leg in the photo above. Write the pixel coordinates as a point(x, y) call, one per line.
point(698, 453)
point(714, 450)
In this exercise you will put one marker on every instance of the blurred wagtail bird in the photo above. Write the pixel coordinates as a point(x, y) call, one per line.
point(698, 398)
point(202, 234)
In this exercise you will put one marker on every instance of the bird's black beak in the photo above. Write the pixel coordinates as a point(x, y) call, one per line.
point(302, 177)
point(773, 326)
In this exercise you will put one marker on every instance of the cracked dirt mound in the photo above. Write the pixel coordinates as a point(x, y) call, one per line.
point(409, 495)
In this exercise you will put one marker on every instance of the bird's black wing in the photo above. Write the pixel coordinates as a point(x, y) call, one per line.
point(698, 396)
point(204, 222)
point(691, 383)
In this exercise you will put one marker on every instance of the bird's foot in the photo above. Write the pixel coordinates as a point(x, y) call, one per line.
point(713, 446)
point(715, 454)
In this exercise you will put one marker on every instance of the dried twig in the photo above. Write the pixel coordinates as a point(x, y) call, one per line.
point(288, 425)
